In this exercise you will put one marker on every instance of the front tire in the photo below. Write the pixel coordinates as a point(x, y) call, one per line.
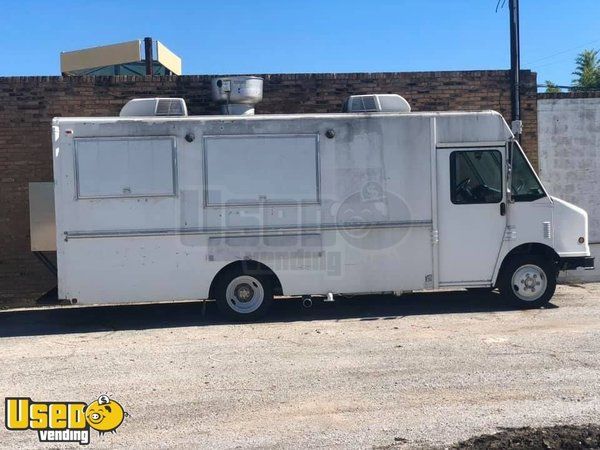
point(243, 296)
point(528, 281)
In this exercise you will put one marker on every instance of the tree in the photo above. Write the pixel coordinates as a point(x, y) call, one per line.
point(552, 88)
point(587, 70)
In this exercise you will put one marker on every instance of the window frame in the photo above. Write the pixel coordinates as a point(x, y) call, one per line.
point(452, 166)
point(174, 169)
point(207, 203)
point(518, 198)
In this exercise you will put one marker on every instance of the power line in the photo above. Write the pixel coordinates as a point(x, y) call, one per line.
point(562, 52)
point(558, 61)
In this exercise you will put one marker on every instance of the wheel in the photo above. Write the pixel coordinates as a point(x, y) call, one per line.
point(528, 280)
point(244, 296)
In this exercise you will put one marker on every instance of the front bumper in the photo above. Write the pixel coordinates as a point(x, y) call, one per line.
point(573, 262)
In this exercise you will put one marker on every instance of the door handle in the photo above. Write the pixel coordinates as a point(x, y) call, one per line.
point(502, 209)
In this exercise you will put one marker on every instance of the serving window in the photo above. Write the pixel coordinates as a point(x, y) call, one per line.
point(258, 169)
point(125, 167)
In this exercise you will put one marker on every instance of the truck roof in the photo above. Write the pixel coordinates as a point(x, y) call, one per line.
point(230, 118)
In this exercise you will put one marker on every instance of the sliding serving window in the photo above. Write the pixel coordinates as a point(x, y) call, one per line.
point(120, 167)
point(261, 169)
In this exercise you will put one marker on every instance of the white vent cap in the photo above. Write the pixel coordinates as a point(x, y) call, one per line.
point(149, 107)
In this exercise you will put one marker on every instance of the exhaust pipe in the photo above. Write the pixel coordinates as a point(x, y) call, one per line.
point(307, 302)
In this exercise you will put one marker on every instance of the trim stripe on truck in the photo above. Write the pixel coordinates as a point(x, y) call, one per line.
point(243, 230)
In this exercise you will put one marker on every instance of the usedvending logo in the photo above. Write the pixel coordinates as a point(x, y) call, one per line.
point(64, 421)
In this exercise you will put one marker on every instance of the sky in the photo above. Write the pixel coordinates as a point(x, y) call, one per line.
point(268, 36)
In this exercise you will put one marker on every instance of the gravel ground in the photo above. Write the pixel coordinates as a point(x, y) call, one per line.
point(421, 370)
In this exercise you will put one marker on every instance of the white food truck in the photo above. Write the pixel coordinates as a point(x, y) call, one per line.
point(155, 206)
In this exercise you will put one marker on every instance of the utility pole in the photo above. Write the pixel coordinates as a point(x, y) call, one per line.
point(515, 68)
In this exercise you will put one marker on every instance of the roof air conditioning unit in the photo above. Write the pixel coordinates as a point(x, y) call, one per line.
point(376, 103)
point(147, 107)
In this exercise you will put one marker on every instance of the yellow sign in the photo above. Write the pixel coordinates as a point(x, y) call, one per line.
point(106, 55)
point(64, 421)
point(167, 58)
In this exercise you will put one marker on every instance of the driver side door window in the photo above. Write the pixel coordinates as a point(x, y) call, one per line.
point(475, 177)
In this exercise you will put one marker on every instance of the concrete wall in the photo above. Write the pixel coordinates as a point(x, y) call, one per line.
point(27, 105)
point(569, 153)
point(569, 159)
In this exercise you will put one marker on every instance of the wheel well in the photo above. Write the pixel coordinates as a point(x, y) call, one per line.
point(250, 267)
point(531, 248)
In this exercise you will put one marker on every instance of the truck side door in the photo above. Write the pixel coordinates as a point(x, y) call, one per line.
point(471, 213)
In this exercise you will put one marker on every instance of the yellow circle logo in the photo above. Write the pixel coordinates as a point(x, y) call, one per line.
point(104, 414)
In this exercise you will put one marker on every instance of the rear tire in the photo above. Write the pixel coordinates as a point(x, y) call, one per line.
point(243, 296)
point(528, 281)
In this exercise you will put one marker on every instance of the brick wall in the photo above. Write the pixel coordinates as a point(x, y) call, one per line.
point(27, 105)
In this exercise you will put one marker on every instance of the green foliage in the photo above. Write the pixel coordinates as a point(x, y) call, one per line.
point(587, 70)
point(552, 88)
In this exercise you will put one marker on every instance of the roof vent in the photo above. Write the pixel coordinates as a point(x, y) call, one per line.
point(147, 107)
point(376, 103)
point(237, 95)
